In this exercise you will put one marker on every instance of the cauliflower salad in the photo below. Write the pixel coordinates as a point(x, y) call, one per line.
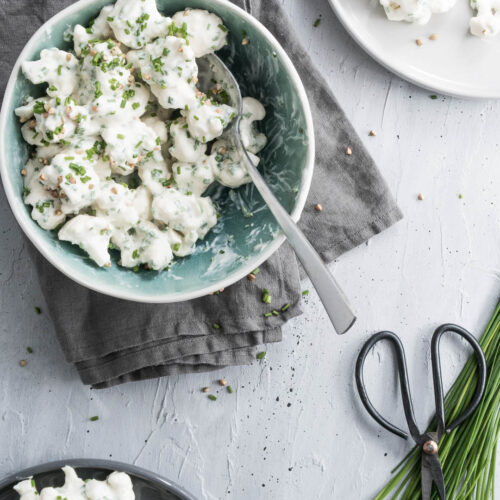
point(124, 143)
point(484, 24)
point(118, 486)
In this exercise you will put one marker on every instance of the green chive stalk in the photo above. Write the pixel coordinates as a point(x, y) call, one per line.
point(468, 454)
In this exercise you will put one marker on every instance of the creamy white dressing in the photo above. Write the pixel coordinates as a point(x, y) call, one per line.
point(123, 140)
point(118, 486)
point(415, 11)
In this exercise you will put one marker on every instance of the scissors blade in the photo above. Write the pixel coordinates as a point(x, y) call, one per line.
point(432, 473)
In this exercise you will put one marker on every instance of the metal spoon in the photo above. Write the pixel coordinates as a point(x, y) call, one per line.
point(211, 69)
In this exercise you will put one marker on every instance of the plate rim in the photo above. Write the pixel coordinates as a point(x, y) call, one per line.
point(106, 465)
point(378, 56)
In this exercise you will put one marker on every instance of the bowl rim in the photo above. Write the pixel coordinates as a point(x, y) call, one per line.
point(105, 465)
point(133, 295)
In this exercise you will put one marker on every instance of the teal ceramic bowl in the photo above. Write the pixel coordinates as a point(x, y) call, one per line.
point(247, 233)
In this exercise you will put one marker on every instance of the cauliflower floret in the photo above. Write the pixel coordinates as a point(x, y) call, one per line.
point(117, 485)
point(74, 179)
point(91, 234)
point(155, 175)
point(116, 204)
point(137, 22)
point(55, 67)
point(159, 126)
point(103, 72)
point(182, 245)
point(169, 67)
point(207, 121)
point(253, 111)
point(205, 31)
point(415, 11)
point(98, 29)
point(194, 178)
point(129, 144)
point(486, 22)
point(143, 244)
point(185, 213)
point(129, 102)
point(229, 168)
point(46, 207)
point(142, 203)
point(185, 148)
point(50, 124)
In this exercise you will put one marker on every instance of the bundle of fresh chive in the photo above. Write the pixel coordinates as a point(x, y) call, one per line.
point(468, 454)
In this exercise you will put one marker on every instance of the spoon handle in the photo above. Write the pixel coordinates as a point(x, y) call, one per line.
point(332, 296)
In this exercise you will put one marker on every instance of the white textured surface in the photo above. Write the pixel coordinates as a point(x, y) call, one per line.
point(294, 428)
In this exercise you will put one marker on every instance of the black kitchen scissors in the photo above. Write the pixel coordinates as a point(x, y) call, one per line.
point(427, 441)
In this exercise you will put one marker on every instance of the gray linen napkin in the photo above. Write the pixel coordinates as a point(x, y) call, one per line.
point(113, 341)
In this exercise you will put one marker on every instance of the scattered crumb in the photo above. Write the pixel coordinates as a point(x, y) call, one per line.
point(372, 133)
point(23, 363)
point(318, 207)
point(420, 196)
point(205, 389)
point(348, 151)
point(419, 42)
point(433, 37)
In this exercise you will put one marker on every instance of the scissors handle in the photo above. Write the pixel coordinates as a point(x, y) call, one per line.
point(438, 386)
point(403, 380)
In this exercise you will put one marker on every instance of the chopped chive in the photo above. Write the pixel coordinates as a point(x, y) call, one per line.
point(276, 313)
point(268, 315)
point(38, 310)
point(216, 326)
point(212, 397)
point(261, 355)
point(229, 389)
point(94, 419)
point(433, 96)
point(285, 307)
point(29, 349)
point(256, 271)
point(316, 23)
point(59, 70)
point(305, 292)
point(266, 298)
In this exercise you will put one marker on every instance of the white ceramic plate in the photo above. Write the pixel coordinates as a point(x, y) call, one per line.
point(457, 63)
